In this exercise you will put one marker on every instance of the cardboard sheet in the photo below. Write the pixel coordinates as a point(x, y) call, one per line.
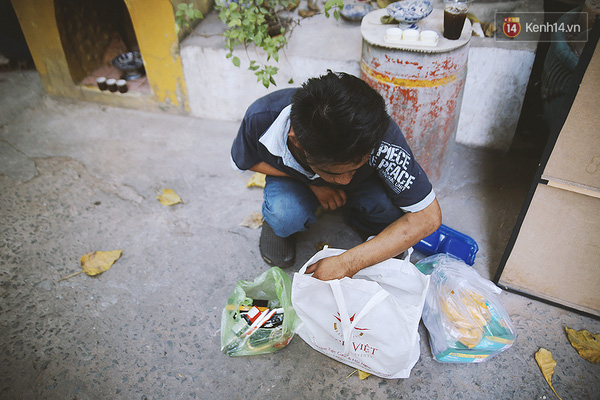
point(557, 254)
point(575, 159)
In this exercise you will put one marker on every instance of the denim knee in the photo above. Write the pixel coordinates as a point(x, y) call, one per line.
point(374, 220)
point(371, 209)
point(288, 206)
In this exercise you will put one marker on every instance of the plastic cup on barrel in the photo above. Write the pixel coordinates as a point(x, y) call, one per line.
point(112, 85)
point(455, 13)
point(101, 82)
point(122, 86)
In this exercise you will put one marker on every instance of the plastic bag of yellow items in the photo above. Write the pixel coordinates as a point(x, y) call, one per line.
point(464, 317)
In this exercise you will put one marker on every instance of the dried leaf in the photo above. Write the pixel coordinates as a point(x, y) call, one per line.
point(384, 3)
point(99, 261)
point(253, 221)
point(363, 375)
point(96, 263)
point(168, 197)
point(306, 13)
point(312, 5)
point(586, 344)
point(321, 245)
point(387, 20)
point(488, 29)
point(546, 363)
point(257, 180)
point(473, 18)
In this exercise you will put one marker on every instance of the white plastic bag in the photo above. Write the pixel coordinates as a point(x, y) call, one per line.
point(369, 322)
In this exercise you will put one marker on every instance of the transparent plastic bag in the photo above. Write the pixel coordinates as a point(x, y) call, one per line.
point(465, 319)
point(259, 317)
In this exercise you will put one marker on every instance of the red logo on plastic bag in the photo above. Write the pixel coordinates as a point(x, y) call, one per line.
point(335, 326)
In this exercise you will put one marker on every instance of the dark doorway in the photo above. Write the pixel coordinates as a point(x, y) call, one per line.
point(92, 34)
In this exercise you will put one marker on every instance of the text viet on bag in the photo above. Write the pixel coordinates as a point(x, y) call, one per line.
point(369, 322)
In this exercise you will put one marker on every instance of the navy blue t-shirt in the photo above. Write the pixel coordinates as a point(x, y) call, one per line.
point(264, 131)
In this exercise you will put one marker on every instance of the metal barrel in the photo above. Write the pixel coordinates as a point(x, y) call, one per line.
point(423, 93)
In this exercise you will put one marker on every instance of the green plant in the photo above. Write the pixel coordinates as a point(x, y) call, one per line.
point(186, 14)
point(336, 5)
point(264, 23)
point(259, 22)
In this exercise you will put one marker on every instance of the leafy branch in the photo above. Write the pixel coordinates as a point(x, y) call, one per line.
point(336, 5)
point(258, 22)
point(186, 14)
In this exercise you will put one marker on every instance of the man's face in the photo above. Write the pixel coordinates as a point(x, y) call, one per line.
point(339, 174)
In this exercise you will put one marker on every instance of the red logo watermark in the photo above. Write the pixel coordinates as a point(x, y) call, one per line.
point(536, 26)
point(511, 26)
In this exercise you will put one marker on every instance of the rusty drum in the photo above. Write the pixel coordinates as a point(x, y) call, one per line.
point(422, 85)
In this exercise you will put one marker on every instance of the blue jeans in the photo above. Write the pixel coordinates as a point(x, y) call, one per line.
point(289, 206)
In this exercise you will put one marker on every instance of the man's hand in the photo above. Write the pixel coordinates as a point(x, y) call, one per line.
point(397, 237)
point(329, 198)
point(330, 268)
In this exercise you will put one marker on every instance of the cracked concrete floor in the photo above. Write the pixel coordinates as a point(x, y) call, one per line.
point(77, 177)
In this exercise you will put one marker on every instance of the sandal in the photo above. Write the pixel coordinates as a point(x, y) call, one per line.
point(275, 250)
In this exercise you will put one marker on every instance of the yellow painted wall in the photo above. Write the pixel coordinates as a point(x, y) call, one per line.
point(154, 24)
point(39, 27)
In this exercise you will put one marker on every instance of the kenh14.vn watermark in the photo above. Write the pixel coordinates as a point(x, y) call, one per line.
point(537, 26)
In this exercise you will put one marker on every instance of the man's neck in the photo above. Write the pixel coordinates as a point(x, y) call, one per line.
point(298, 154)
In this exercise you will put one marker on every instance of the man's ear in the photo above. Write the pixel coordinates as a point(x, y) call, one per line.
point(294, 139)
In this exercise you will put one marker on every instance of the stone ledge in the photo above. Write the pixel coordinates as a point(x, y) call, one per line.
point(497, 70)
point(219, 90)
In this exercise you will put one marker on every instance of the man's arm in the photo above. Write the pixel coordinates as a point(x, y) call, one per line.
point(329, 198)
point(267, 169)
point(403, 233)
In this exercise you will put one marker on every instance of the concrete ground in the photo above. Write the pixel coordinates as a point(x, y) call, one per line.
point(78, 177)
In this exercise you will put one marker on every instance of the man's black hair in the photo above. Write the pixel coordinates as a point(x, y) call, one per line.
point(338, 118)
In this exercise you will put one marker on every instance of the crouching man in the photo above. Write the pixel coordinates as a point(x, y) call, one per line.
point(331, 143)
